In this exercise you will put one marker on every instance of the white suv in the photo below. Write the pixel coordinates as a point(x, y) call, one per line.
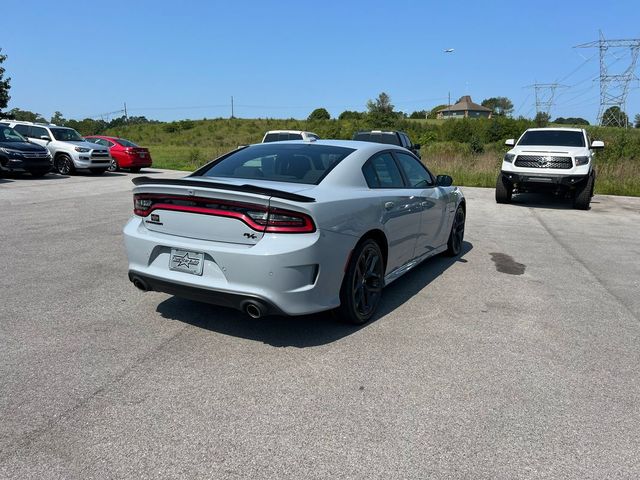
point(282, 135)
point(67, 147)
point(559, 160)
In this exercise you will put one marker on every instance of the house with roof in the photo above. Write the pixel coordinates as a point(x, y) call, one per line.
point(465, 108)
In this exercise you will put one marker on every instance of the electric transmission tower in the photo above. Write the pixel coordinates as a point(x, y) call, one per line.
point(545, 96)
point(614, 87)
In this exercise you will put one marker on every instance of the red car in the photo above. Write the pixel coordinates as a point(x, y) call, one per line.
point(124, 154)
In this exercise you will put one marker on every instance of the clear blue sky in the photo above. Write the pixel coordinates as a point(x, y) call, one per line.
point(284, 58)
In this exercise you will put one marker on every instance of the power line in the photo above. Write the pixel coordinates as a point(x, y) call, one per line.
point(545, 95)
point(614, 88)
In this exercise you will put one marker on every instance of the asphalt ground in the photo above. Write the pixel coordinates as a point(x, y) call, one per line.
point(520, 359)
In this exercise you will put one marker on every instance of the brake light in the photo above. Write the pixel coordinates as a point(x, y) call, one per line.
point(257, 217)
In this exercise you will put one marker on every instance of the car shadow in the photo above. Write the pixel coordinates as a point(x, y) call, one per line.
point(542, 200)
point(6, 180)
point(308, 330)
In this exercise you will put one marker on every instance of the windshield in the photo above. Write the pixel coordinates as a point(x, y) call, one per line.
point(66, 135)
point(8, 134)
point(126, 143)
point(556, 138)
point(389, 138)
point(294, 163)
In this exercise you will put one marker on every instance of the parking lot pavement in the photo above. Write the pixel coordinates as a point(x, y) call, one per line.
point(521, 359)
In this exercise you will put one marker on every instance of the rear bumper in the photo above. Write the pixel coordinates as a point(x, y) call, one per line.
point(199, 294)
point(126, 161)
point(294, 274)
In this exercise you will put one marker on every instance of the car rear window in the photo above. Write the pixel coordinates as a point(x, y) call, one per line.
point(556, 138)
point(387, 138)
point(294, 163)
point(126, 143)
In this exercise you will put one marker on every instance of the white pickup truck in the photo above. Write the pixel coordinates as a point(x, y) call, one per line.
point(559, 160)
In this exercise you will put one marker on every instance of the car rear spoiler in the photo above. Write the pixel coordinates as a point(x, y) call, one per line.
point(184, 182)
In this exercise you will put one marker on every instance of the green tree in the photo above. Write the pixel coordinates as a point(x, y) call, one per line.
point(542, 119)
point(26, 115)
point(571, 121)
point(501, 106)
point(319, 114)
point(4, 84)
point(380, 112)
point(419, 114)
point(351, 115)
point(58, 119)
point(614, 117)
point(637, 120)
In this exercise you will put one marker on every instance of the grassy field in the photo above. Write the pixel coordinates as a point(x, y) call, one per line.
point(188, 144)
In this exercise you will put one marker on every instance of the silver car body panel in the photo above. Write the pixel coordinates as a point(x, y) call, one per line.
point(299, 273)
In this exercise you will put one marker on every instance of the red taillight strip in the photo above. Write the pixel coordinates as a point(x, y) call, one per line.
point(268, 226)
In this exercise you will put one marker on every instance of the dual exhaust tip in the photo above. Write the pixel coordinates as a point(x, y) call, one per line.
point(253, 308)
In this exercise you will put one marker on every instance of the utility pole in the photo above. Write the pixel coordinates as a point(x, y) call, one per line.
point(232, 107)
point(126, 117)
point(545, 96)
point(614, 87)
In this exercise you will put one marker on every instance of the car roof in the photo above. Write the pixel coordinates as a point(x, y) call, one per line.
point(372, 147)
point(567, 129)
point(290, 131)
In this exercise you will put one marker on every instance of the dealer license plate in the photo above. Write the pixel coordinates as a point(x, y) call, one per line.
point(186, 261)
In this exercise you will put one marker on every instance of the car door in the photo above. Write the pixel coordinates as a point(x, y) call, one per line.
point(401, 211)
point(36, 134)
point(432, 200)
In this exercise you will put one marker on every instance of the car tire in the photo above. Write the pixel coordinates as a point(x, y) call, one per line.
point(456, 237)
point(64, 164)
point(113, 165)
point(362, 285)
point(504, 190)
point(582, 198)
point(97, 171)
point(134, 169)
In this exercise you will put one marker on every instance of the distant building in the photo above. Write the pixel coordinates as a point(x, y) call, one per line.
point(465, 108)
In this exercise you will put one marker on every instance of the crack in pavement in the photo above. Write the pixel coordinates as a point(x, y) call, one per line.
point(32, 436)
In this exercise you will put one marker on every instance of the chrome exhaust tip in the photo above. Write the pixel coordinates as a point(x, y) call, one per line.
point(254, 310)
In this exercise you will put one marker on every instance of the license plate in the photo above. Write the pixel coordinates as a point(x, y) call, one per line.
point(143, 154)
point(187, 262)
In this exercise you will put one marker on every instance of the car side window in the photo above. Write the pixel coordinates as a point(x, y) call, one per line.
point(37, 132)
point(109, 143)
point(381, 171)
point(417, 175)
point(22, 130)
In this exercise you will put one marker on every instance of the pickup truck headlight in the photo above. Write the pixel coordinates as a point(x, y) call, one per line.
point(82, 149)
point(581, 161)
point(11, 152)
point(508, 157)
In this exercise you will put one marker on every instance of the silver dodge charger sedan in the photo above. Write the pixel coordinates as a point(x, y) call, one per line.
point(292, 228)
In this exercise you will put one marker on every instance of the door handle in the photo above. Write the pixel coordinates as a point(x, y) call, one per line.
point(424, 204)
point(389, 205)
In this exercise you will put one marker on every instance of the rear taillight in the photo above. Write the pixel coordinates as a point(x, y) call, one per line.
point(257, 217)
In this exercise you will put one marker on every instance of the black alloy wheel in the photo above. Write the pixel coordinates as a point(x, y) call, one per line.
point(456, 237)
point(362, 286)
point(64, 164)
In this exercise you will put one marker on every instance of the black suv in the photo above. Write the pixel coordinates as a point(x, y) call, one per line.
point(18, 155)
point(392, 137)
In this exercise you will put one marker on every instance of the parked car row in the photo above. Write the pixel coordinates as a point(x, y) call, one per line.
point(38, 148)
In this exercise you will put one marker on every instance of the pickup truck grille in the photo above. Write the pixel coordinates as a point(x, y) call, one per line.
point(540, 161)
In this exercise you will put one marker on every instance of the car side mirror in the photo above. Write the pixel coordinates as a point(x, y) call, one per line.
point(416, 146)
point(597, 144)
point(444, 181)
point(45, 137)
point(510, 143)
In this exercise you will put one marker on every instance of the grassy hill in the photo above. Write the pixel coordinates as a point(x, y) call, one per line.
point(469, 150)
